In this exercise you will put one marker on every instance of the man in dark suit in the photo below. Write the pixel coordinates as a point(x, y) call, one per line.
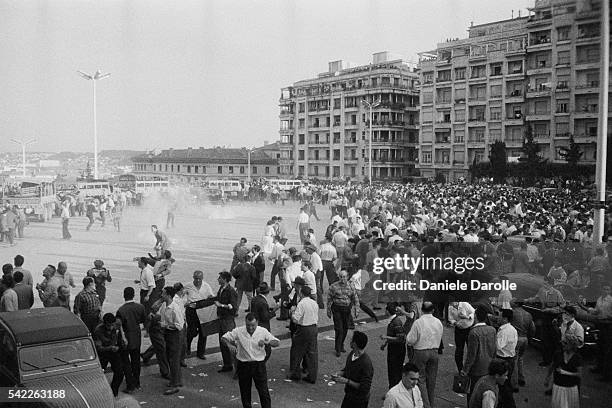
point(227, 308)
point(132, 315)
point(262, 311)
point(25, 294)
point(481, 348)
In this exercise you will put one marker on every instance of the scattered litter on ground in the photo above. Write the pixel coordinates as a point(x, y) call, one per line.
point(331, 383)
point(287, 380)
point(309, 400)
point(181, 396)
point(143, 402)
point(201, 390)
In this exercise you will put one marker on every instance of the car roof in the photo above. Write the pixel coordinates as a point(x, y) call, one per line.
point(43, 325)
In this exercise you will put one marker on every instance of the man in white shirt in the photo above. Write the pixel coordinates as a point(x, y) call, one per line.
point(309, 278)
point(303, 224)
point(507, 339)
point(197, 314)
point(147, 283)
point(461, 316)
point(425, 337)
point(405, 394)
point(250, 341)
point(172, 314)
point(304, 341)
point(293, 271)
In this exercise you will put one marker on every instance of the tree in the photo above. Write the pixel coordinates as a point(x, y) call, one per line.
point(474, 171)
point(498, 157)
point(571, 154)
point(532, 159)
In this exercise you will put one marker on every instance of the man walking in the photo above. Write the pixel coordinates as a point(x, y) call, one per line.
point(172, 319)
point(506, 340)
point(66, 219)
point(196, 292)
point(132, 315)
point(109, 343)
point(304, 340)
point(342, 300)
point(227, 308)
point(25, 296)
point(425, 337)
point(357, 374)
point(87, 305)
point(405, 394)
point(250, 341)
point(481, 348)
point(245, 275)
point(147, 283)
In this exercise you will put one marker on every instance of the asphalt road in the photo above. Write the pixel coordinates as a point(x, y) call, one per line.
point(203, 239)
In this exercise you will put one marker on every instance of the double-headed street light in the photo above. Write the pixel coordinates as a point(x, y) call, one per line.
point(370, 106)
point(23, 155)
point(98, 75)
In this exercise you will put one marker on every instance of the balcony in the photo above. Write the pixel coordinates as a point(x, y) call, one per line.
point(515, 118)
point(477, 141)
point(477, 100)
point(539, 43)
point(585, 138)
point(564, 135)
point(541, 137)
point(440, 139)
point(514, 142)
point(443, 79)
point(541, 67)
point(477, 56)
point(350, 140)
point(515, 73)
point(562, 88)
point(588, 15)
point(534, 21)
point(460, 100)
point(476, 119)
point(515, 96)
point(442, 163)
point(587, 87)
point(478, 78)
point(541, 115)
point(587, 111)
point(590, 62)
point(540, 90)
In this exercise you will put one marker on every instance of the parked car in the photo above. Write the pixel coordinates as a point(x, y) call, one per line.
point(49, 353)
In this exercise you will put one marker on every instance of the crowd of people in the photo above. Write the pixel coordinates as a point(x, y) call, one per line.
point(542, 233)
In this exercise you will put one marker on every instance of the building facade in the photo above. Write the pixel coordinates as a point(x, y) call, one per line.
point(539, 71)
point(198, 165)
point(324, 122)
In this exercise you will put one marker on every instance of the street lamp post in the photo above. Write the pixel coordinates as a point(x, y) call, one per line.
point(98, 75)
point(23, 155)
point(370, 106)
point(249, 165)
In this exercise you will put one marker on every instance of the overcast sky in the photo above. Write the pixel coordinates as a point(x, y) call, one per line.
point(194, 73)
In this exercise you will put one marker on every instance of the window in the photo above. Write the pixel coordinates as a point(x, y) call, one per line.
point(220, 170)
point(444, 75)
point(460, 95)
point(241, 169)
point(563, 57)
point(284, 125)
point(301, 124)
point(563, 33)
point(301, 139)
point(496, 91)
point(337, 154)
point(541, 107)
point(477, 114)
point(428, 77)
point(336, 138)
point(353, 171)
point(515, 67)
point(267, 170)
point(459, 136)
point(336, 120)
point(178, 168)
point(563, 129)
point(495, 113)
point(188, 169)
point(479, 71)
point(231, 169)
point(337, 103)
point(495, 135)
point(300, 155)
point(460, 115)
point(426, 157)
point(478, 93)
point(254, 170)
point(496, 69)
point(336, 171)
point(459, 158)
point(301, 107)
point(562, 106)
point(196, 168)
point(427, 97)
point(444, 95)
point(459, 74)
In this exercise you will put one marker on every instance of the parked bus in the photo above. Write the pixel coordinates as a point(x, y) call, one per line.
point(225, 185)
point(93, 187)
point(36, 197)
point(150, 186)
point(286, 184)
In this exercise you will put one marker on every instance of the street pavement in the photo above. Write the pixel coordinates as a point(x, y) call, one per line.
point(203, 239)
point(204, 387)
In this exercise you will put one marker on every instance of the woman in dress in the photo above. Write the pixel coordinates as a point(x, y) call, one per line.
point(565, 373)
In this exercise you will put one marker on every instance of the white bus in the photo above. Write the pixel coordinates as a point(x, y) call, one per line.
point(92, 188)
point(225, 185)
point(287, 184)
point(149, 186)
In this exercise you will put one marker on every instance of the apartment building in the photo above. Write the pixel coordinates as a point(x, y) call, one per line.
point(324, 122)
point(196, 165)
point(541, 71)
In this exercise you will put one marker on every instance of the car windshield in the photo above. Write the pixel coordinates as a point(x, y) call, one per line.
point(44, 356)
